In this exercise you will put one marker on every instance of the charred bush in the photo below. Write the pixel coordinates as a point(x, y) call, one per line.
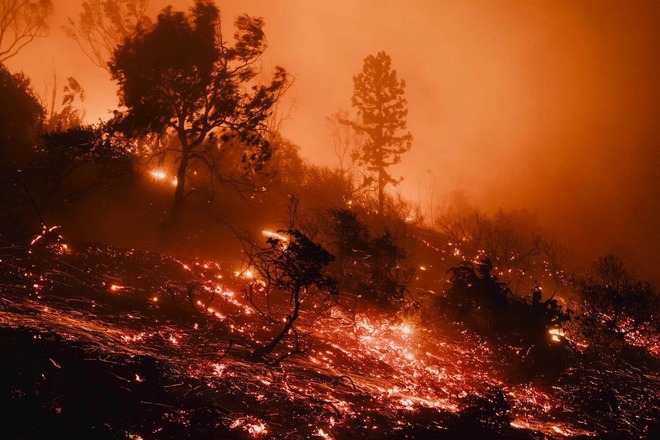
point(476, 297)
point(617, 308)
point(485, 416)
point(474, 290)
point(295, 264)
point(375, 267)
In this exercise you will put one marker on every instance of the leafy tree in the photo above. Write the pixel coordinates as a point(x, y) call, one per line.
point(389, 273)
point(181, 76)
point(378, 96)
point(295, 264)
point(22, 117)
point(21, 21)
point(81, 158)
point(350, 236)
point(104, 24)
point(66, 116)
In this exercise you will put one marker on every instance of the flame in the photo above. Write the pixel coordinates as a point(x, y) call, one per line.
point(161, 175)
point(158, 174)
point(405, 365)
point(278, 236)
point(555, 334)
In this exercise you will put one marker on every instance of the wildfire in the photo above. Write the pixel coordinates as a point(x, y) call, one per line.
point(556, 334)
point(158, 174)
point(161, 175)
point(278, 236)
point(254, 426)
point(403, 366)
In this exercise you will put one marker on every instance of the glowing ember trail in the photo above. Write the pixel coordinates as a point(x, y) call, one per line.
point(361, 372)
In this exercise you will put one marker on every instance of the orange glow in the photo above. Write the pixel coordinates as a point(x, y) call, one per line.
point(556, 334)
point(276, 235)
point(491, 88)
point(158, 174)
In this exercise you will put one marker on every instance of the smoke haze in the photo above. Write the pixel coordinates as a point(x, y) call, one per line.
point(548, 106)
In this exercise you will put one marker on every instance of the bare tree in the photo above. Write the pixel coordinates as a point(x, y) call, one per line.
point(522, 253)
point(104, 24)
point(618, 308)
point(346, 142)
point(21, 21)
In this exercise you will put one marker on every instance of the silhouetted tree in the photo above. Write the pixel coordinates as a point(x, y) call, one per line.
point(350, 236)
point(390, 275)
point(21, 21)
point(65, 116)
point(104, 24)
point(382, 108)
point(22, 117)
point(523, 253)
point(474, 283)
point(345, 141)
point(296, 265)
point(81, 158)
point(180, 76)
point(373, 265)
point(618, 308)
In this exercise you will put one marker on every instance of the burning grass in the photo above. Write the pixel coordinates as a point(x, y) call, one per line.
point(159, 346)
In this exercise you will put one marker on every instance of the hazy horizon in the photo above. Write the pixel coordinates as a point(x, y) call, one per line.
point(546, 106)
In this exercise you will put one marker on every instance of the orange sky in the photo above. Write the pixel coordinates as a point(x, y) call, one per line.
point(550, 106)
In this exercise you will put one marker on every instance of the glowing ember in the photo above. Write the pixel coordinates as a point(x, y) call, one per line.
point(252, 425)
point(158, 174)
point(276, 235)
point(404, 365)
point(556, 334)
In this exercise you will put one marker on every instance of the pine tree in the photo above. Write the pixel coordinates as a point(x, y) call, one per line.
point(379, 98)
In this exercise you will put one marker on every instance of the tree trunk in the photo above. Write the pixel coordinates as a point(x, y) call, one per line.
point(381, 192)
point(179, 195)
point(260, 352)
point(381, 170)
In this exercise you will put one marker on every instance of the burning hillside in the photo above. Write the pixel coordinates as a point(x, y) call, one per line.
point(127, 343)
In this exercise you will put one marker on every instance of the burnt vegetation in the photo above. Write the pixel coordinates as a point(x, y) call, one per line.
point(180, 271)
